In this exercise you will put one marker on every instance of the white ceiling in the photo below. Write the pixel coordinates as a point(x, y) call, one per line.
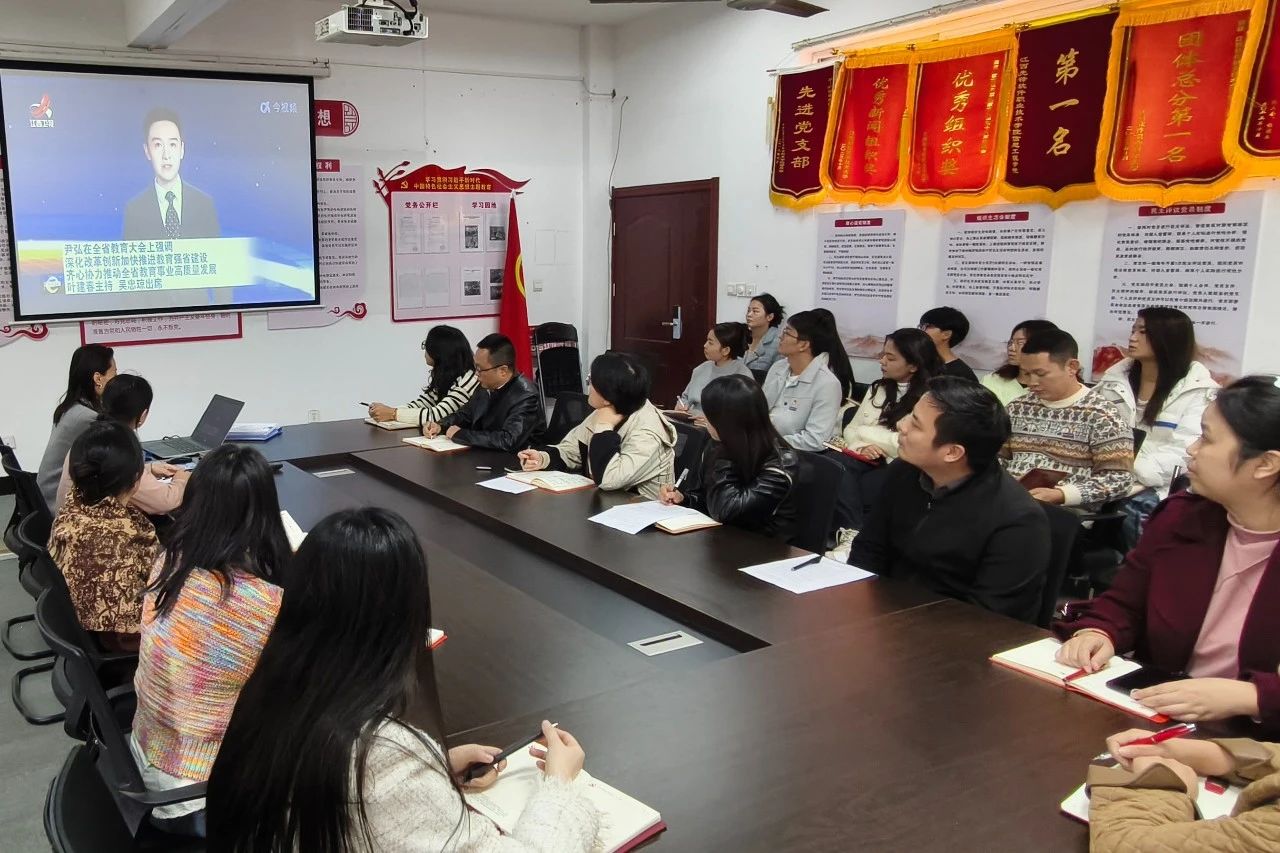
point(553, 11)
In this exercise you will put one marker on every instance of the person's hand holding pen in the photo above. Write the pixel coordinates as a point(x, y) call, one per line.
point(533, 460)
point(1136, 749)
point(670, 494)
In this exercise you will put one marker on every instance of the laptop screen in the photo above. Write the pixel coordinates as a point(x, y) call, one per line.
point(217, 421)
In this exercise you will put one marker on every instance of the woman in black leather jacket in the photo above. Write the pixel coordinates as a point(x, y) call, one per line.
point(749, 472)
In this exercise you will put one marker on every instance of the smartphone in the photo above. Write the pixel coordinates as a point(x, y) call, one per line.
point(1141, 679)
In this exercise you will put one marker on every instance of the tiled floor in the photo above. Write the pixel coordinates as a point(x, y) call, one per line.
point(29, 755)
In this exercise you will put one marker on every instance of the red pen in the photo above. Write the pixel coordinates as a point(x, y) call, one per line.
point(1180, 730)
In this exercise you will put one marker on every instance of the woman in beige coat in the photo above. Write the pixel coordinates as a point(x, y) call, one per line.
point(1147, 803)
point(625, 444)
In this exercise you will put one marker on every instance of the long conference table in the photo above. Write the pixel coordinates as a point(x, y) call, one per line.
point(864, 716)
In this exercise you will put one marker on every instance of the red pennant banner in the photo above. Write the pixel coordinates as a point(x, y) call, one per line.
point(804, 105)
point(957, 134)
point(1171, 97)
point(1259, 134)
point(1059, 92)
point(864, 163)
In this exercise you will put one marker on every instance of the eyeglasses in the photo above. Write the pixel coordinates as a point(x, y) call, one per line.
point(791, 333)
point(487, 369)
point(924, 327)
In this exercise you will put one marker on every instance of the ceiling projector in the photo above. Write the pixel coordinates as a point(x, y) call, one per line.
point(381, 23)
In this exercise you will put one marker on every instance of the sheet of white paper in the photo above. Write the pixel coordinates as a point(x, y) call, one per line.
point(819, 575)
point(471, 237)
point(436, 288)
point(473, 287)
point(408, 289)
point(632, 518)
point(408, 233)
point(506, 484)
point(292, 531)
point(437, 235)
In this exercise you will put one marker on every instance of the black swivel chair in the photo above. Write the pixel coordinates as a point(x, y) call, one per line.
point(30, 538)
point(112, 668)
point(570, 410)
point(557, 360)
point(1064, 526)
point(691, 446)
point(815, 491)
point(110, 715)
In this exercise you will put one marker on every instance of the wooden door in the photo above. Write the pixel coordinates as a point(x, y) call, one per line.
point(664, 277)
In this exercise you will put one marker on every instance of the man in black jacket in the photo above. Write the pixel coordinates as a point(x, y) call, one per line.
point(949, 517)
point(505, 413)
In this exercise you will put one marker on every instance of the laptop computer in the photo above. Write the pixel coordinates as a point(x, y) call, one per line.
point(210, 432)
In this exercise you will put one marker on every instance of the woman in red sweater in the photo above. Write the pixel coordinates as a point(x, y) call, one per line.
point(1199, 595)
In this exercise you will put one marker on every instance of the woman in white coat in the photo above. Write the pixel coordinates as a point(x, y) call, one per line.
point(1162, 390)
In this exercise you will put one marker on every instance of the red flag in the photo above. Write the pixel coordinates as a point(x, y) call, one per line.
point(513, 311)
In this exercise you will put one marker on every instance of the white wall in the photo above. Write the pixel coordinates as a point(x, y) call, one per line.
point(481, 93)
point(698, 91)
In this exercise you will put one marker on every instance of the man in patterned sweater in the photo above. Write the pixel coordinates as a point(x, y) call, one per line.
point(1063, 427)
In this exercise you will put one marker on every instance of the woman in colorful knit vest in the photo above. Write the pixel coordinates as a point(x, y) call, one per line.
point(208, 610)
point(319, 754)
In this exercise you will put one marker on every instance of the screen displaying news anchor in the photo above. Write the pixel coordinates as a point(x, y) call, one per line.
point(136, 192)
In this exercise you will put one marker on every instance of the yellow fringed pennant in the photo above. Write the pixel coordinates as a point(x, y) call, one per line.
point(1251, 142)
point(1173, 68)
point(960, 110)
point(868, 128)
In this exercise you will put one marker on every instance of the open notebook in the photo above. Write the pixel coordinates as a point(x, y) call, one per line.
point(439, 444)
point(1037, 660)
point(624, 821)
point(553, 481)
point(1216, 799)
point(390, 424)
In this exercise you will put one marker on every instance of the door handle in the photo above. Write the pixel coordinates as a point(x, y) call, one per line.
point(676, 323)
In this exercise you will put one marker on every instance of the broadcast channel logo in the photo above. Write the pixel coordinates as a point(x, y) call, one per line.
point(42, 112)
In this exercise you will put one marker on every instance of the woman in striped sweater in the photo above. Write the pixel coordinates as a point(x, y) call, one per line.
point(452, 382)
point(206, 615)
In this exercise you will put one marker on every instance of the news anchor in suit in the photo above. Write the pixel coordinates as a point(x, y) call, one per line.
point(169, 209)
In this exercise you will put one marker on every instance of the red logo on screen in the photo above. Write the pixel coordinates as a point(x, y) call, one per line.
point(42, 113)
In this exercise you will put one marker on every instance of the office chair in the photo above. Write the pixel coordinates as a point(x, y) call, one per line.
point(815, 494)
point(570, 410)
point(110, 718)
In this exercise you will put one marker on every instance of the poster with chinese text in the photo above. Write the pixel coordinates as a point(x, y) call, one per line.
point(1198, 258)
point(448, 232)
point(161, 329)
point(340, 199)
point(859, 271)
point(994, 267)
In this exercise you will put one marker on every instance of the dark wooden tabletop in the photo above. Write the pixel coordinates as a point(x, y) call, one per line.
point(865, 716)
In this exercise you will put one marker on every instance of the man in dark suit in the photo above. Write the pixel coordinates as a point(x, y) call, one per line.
point(169, 209)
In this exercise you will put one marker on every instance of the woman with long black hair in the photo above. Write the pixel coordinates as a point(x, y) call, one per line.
point(92, 367)
point(909, 360)
point(208, 609)
point(319, 755)
point(750, 471)
point(452, 383)
point(1162, 391)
